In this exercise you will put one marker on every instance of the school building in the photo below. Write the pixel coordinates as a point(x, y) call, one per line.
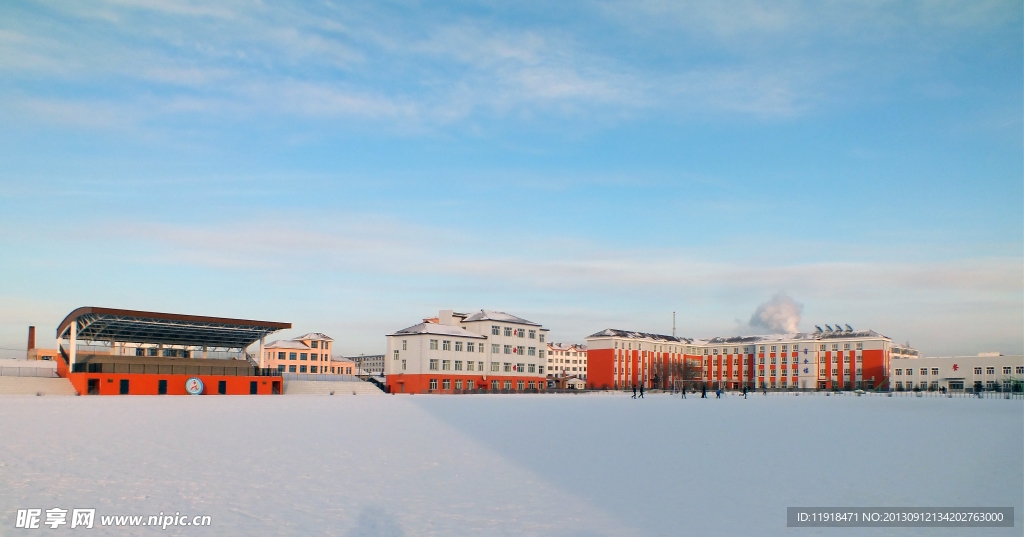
point(829, 358)
point(309, 354)
point(462, 352)
point(986, 372)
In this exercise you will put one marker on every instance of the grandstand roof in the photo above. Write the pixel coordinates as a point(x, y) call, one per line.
point(129, 326)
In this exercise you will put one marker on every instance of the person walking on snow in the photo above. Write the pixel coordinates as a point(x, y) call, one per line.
point(718, 393)
point(744, 392)
point(684, 392)
point(634, 391)
point(703, 392)
point(641, 391)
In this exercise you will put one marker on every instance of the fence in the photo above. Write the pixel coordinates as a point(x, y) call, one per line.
point(45, 372)
point(321, 378)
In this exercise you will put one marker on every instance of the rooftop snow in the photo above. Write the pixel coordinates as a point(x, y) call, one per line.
point(314, 335)
point(488, 315)
point(438, 329)
point(611, 332)
point(287, 344)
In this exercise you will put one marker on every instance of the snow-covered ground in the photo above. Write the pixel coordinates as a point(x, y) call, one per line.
point(589, 464)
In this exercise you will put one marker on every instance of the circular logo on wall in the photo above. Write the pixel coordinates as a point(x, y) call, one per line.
point(194, 386)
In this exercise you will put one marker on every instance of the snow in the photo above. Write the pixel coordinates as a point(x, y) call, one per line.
point(586, 464)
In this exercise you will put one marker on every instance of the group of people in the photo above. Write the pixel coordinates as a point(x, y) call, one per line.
point(703, 392)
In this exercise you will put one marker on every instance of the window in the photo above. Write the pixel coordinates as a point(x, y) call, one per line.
point(469, 384)
point(935, 371)
point(495, 348)
point(433, 384)
point(1006, 370)
point(760, 372)
point(433, 364)
point(859, 372)
point(744, 360)
point(521, 368)
point(403, 365)
point(458, 346)
point(532, 351)
point(312, 344)
point(822, 347)
point(519, 385)
point(479, 366)
point(911, 371)
point(540, 369)
point(860, 346)
point(508, 367)
point(495, 367)
point(924, 371)
point(481, 347)
point(760, 360)
point(860, 359)
point(773, 360)
point(783, 360)
point(714, 351)
point(846, 359)
point(533, 334)
point(302, 356)
point(541, 339)
point(846, 346)
point(281, 368)
point(471, 347)
point(446, 384)
point(446, 345)
point(520, 333)
point(495, 331)
point(773, 348)
point(822, 372)
point(835, 372)
point(835, 346)
point(508, 331)
point(532, 368)
point(1020, 370)
point(898, 372)
point(396, 355)
point(990, 371)
point(977, 370)
point(291, 368)
point(403, 345)
point(458, 384)
point(761, 348)
point(446, 365)
point(846, 372)
point(291, 355)
point(433, 344)
point(520, 350)
point(508, 349)
point(302, 369)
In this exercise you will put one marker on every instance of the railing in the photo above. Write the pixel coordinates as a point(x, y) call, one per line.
point(164, 369)
point(45, 372)
point(318, 377)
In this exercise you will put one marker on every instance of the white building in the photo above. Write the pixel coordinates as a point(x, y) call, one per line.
point(985, 372)
point(567, 359)
point(455, 352)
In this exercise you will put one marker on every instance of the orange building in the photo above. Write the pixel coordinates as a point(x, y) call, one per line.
point(310, 354)
point(833, 358)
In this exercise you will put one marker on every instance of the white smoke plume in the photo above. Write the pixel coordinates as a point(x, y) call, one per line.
point(780, 314)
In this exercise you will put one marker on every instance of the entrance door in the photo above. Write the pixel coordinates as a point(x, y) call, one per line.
point(252, 387)
point(94, 387)
point(821, 384)
point(124, 386)
point(275, 387)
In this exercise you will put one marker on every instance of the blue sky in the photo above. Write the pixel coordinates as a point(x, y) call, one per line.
point(353, 167)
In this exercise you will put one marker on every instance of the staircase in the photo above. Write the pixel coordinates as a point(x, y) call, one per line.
point(318, 387)
point(37, 385)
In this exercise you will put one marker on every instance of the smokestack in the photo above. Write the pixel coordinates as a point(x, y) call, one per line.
point(31, 341)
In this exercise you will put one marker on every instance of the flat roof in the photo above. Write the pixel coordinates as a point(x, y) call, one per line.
point(130, 326)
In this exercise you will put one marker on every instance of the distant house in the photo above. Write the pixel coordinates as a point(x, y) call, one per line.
point(310, 353)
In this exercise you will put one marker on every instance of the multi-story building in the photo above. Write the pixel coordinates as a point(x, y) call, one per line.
point(310, 353)
point(833, 358)
point(620, 359)
point(985, 372)
point(372, 364)
point(567, 359)
point(454, 352)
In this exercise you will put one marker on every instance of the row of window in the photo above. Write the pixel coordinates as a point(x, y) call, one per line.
point(446, 384)
point(774, 348)
point(508, 367)
point(515, 332)
point(977, 371)
point(301, 356)
point(323, 370)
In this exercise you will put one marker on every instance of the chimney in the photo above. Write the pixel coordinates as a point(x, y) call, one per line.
point(446, 317)
point(31, 341)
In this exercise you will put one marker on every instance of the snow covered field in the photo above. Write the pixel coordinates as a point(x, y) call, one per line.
point(593, 464)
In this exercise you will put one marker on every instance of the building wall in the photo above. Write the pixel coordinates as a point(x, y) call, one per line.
point(304, 355)
point(143, 384)
point(956, 373)
point(519, 356)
